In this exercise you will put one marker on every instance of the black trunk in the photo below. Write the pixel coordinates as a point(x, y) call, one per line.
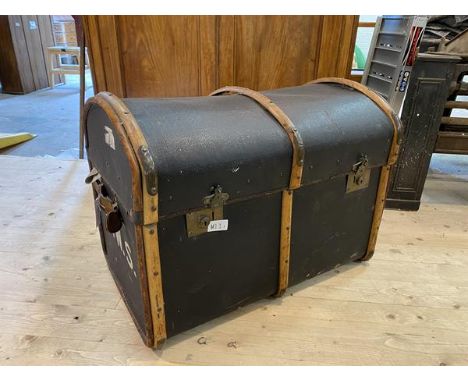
point(231, 147)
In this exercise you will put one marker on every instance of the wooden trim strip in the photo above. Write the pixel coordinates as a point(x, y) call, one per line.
point(392, 157)
point(128, 129)
point(380, 102)
point(294, 180)
point(456, 105)
point(284, 121)
point(153, 269)
point(104, 104)
point(100, 101)
point(454, 121)
point(285, 241)
point(366, 24)
point(137, 140)
point(150, 219)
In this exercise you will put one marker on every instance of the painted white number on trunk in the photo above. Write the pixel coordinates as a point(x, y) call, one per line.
point(218, 225)
point(125, 250)
point(109, 137)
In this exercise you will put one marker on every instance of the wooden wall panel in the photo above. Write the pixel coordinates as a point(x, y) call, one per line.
point(93, 43)
point(338, 36)
point(348, 41)
point(36, 54)
point(209, 55)
point(15, 70)
point(225, 45)
point(272, 50)
point(26, 79)
point(161, 55)
point(167, 56)
point(47, 39)
point(24, 61)
point(111, 52)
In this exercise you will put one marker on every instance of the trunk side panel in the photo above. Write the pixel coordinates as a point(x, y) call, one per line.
point(209, 275)
point(330, 227)
point(121, 249)
point(121, 257)
point(112, 163)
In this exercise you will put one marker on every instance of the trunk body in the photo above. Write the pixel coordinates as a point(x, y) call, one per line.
point(173, 169)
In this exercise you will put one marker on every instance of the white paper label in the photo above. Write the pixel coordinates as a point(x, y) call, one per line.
point(109, 137)
point(218, 225)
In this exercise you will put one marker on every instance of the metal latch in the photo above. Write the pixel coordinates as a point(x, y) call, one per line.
point(359, 177)
point(198, 221)
point(113, 221)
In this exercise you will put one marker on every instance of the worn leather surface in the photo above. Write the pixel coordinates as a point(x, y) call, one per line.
point(120, 249)
point(232, 141)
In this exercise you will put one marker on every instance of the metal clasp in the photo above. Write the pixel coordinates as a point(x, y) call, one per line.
point(113, 221)
point(359, 177)
point(198, 221)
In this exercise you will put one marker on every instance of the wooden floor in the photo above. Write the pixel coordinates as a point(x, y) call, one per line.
point(59, 305)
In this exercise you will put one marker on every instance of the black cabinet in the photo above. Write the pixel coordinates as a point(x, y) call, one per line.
point(421, 115)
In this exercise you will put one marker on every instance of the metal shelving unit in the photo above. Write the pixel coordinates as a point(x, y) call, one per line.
point(391, 56)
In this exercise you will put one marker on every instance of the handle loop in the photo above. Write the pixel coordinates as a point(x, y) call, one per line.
point(113, 222)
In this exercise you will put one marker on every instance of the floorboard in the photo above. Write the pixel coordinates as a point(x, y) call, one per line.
point(59, 305)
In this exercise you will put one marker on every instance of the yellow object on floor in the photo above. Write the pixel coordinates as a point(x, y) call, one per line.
point(7, 140)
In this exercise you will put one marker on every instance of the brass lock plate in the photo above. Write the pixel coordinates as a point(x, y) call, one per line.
point(198, 221)
point(359, 178)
